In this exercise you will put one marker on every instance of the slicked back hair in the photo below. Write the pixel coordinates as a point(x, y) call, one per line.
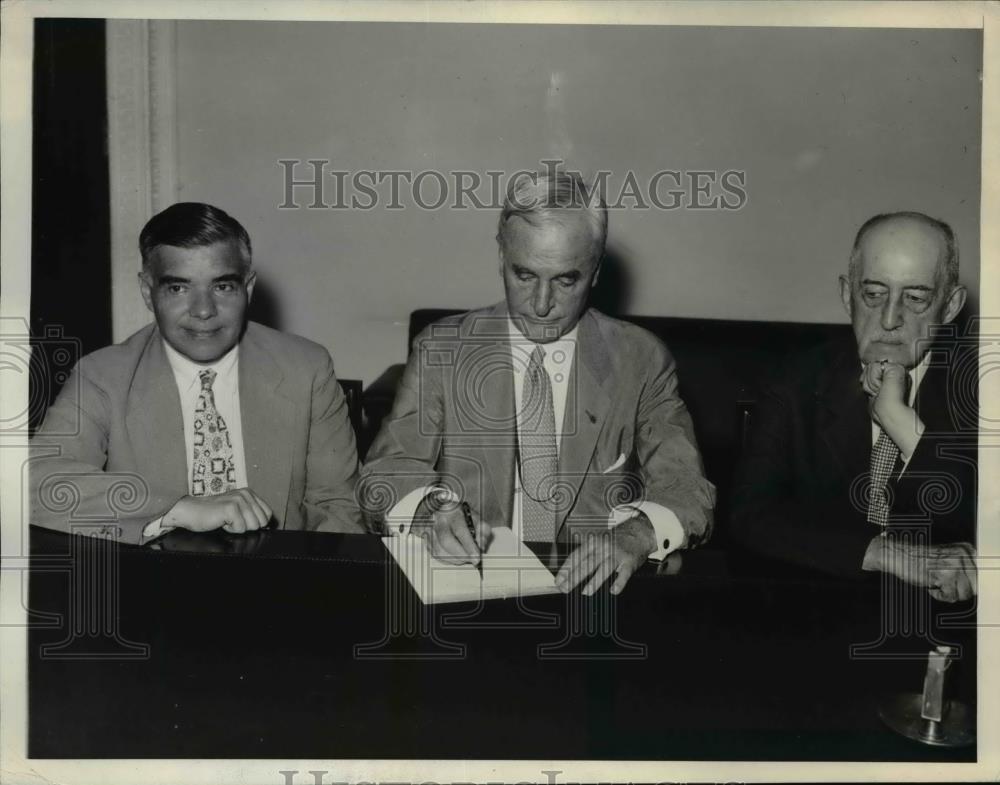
point(193, 225)
point(538, 197)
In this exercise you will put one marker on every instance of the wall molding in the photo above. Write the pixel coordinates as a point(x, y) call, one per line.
point(142, 149)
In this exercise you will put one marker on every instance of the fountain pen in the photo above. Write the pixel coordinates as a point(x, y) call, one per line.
point(467, 512)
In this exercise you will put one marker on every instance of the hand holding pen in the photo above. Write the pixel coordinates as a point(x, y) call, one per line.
point(445, 522)
point(471, 525)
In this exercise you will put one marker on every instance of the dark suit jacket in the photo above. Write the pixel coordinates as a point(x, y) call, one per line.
point(453, 422)
point(801, 487)
point(111, 447)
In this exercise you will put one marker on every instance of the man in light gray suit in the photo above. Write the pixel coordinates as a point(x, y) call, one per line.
point(542, 414)
point(200, 420)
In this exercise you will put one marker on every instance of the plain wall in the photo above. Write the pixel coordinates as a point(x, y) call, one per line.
point(830, 125)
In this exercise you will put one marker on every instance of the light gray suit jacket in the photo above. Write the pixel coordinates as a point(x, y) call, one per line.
point(453, 423)
point(111, 447)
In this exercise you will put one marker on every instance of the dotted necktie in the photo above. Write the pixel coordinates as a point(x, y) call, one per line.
point(883, 460)
point(538, 455)
point(213, 470)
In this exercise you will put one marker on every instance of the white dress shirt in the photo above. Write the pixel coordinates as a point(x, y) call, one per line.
point(226, 391)
point(558, 364)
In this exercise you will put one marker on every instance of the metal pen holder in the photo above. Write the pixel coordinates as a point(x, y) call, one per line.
point(929, 718)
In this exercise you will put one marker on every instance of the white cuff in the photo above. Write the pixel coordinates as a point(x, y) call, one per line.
point(906, 460)
point(399, 518)
point(155, 529)
point(666, 526)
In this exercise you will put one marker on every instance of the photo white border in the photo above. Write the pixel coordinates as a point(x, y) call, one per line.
point(15, 255)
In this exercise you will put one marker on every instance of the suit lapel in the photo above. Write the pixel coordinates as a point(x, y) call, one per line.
point(587, 403)
point(498, 400)
point(154, 421)
point(497, 388)
point(267, 418)
point(932, 400)
point(843, 420)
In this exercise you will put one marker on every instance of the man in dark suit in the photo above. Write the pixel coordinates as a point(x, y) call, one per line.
point(200, 420)
point(862, 455)
point(542, 414)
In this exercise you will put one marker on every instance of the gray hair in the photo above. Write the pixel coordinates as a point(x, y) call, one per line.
point(534, 197)
point(950, 265)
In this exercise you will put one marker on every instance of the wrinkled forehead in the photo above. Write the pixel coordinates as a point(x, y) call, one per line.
point(202, 261)
point(565, 235)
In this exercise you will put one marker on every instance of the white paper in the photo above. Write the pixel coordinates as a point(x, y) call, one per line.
point(510, 569)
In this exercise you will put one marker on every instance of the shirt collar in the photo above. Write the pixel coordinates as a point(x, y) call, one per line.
point(186, 371)
point(917, 373)
point(567, 343)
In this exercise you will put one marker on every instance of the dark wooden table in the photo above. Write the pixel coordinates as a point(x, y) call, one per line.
point(299, 645)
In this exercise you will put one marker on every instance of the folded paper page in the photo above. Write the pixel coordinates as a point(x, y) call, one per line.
point(510, 569)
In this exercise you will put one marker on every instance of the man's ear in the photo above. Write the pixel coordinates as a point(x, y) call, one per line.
point(597, 274)
point(249, 282)
point(845, 295)
point(146, 288)
point(955, 303)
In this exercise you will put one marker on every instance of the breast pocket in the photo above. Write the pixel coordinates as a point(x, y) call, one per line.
point(619, 462)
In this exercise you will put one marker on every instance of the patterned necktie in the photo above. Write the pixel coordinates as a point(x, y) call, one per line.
point(883, 460)
point(538, 454)
point(213, 470)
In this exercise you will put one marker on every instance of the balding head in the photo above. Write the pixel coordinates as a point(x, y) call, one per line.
point(902, 279)
point(908, 229)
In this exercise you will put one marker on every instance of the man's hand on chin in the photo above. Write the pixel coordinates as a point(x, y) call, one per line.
point(619, 551)
point(887, 385)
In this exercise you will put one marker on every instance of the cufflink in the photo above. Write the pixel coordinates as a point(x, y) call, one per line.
point(439, 498)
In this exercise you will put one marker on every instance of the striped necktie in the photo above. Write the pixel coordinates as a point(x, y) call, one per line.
point(539, 458)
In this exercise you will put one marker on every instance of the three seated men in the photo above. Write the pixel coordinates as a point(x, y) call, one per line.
point(538, 412)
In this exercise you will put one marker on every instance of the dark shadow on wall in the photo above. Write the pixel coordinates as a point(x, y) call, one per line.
point(264, 306)
point(613, 293)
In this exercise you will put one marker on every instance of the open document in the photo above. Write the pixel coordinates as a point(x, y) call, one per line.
point(510, 569)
